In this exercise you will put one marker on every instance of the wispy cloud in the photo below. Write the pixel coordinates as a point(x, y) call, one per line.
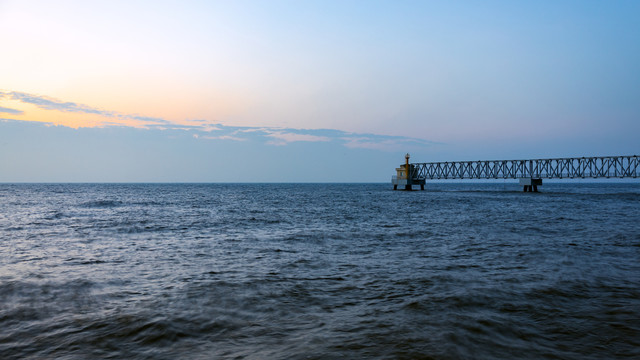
point(171, 126)
point(118, 119)
point(206, 130)
point(48, 103)
point(151, 119)
point(383, 142)
point(10, 111)
point(221, 137)
point(284, 138)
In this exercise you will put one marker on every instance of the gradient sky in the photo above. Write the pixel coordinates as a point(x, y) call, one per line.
point(340, 88)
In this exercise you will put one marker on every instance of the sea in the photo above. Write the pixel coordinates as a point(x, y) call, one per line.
point(462, 270)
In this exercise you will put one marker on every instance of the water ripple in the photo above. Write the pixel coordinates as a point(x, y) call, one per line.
point(319, 271)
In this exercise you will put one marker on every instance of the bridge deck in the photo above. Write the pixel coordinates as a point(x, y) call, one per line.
point(584, 167)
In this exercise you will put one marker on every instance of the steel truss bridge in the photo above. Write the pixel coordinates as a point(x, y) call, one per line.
point(531, 172)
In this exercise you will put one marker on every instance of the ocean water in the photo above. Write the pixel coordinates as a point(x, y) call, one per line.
point(319, 271)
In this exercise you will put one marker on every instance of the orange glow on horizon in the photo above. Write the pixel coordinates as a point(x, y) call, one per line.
point(76, 115)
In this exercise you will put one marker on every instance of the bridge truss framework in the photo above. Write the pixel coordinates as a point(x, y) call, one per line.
point(531, 172)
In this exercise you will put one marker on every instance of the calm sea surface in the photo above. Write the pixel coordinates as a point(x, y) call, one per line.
point(273, 271)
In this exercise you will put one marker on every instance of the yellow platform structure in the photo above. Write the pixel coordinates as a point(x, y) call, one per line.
point(406, 176)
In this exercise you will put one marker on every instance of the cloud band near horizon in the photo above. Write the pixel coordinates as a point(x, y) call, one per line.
point(209, 131)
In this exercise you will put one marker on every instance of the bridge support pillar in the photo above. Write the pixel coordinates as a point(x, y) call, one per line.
point(530, 185)
point(407, 184)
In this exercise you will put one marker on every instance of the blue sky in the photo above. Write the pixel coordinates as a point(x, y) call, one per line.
point(179, 91)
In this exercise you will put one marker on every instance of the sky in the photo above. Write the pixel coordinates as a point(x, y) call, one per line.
point(309, 91)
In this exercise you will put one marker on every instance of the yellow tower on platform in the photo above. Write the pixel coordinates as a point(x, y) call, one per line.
point(405, 176)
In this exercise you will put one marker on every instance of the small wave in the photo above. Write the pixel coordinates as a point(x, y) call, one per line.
point(623, 239)
point(101, 204)
point(261, 220)
point(79, 261)
point(14, 228)
point(309, 237)
point(137, 229)
point(55, 215)
point(149, 203)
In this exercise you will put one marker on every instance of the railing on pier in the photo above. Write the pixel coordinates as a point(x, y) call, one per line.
point(584, 167)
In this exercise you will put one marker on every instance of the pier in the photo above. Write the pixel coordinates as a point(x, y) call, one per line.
point(529, 172)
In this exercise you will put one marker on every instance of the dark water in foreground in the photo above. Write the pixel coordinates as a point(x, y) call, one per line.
point(461, 271)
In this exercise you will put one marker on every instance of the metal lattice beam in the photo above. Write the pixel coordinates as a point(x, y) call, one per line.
point(584, 167)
